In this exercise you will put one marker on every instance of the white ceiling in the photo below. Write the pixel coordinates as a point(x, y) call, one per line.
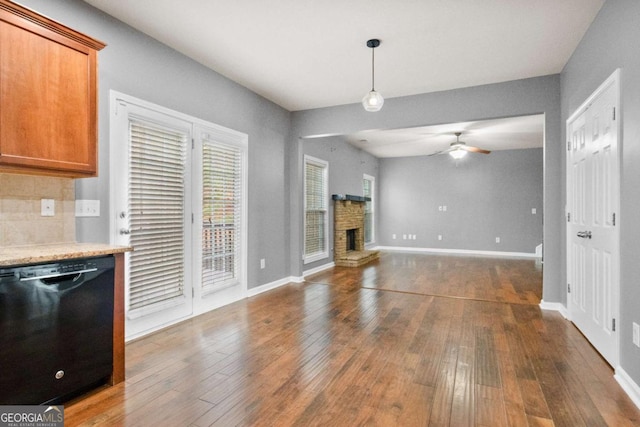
point(499, 134)
point(304, 54)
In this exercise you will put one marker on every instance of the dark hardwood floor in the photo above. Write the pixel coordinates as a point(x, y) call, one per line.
point(412, 340)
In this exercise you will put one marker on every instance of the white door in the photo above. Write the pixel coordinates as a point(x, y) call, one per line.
point(151, 199)
point(593, 195)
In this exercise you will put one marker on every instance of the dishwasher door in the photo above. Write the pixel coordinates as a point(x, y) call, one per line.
point(56, 330)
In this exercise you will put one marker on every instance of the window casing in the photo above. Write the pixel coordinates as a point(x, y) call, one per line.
point(316, 203)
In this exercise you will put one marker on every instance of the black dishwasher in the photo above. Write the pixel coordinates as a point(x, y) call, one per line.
point(56, 329)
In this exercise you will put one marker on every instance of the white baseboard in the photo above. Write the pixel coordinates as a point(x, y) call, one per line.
point(555, 306)
point(459, 251)
point(291, 279)
point(318, 269)
point(268, 286)
point(628, 385)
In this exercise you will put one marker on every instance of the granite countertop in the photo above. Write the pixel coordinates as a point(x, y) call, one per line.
point(19, 255)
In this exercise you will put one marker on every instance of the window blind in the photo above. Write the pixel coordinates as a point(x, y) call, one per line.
point(315, 208)
point(221, 214)
point(156, 213)
point(367, 187)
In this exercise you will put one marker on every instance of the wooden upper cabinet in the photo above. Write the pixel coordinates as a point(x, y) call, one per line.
point(48, 95)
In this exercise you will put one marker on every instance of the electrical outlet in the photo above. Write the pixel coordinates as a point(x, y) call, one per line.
point(636, 334)
point(47, 207)
point(393, 236)
point(404, 237)
point(262, 263)
point(439, 236)
point(533, 211)
point(497, 240)
point(87, 208)
point(444, 208)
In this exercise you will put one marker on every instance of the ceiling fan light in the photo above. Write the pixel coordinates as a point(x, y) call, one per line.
point(372, 101)
point(458, 153)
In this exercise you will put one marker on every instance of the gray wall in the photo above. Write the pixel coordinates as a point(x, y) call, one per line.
point(347, 164)
point(612, 42)
point(137, 65)
point(521, 97)
point(486, 196)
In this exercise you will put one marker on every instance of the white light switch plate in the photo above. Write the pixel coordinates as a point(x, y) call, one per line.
point(87, 208)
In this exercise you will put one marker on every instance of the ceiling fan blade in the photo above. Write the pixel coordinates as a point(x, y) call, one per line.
point(440, 152)
point(436, 153)
point(475, 149)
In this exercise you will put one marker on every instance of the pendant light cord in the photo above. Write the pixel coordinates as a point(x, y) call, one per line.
point(373, 68)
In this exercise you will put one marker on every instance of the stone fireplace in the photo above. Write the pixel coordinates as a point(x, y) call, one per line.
point(348, 229)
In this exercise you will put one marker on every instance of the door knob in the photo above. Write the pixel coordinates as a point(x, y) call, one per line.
point(125, 231)
point(584, 234)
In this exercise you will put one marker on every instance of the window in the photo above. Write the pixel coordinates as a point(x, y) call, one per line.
point(315, 209)
point(368, 190)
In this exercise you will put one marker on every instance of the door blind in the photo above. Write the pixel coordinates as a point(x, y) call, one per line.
point(315, 209)
point(156, 213)
point(221, 214)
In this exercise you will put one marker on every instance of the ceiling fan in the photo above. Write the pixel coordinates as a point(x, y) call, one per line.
point(458, 149)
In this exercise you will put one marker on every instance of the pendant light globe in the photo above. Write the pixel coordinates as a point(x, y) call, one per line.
point(373, 101)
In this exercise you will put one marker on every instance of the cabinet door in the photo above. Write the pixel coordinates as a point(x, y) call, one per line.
point(47, 100)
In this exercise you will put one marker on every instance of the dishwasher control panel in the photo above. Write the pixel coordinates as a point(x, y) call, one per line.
point(59, 268)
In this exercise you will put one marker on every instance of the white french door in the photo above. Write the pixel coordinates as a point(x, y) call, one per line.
point(593, 221)
point(179, 198)
point(220, 217)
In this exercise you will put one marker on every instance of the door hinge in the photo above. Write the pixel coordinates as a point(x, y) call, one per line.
point(614, 113)
point(614, 219)
point(568, 145)
point(193, 293)
point(192, 220)
point(613, 325)
point(568, 288)
point(568, 216)
point(193, 143)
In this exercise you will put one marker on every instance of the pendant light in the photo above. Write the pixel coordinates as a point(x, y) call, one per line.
point(373, 101)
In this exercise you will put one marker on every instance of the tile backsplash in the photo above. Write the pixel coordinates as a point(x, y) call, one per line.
point(21, 222)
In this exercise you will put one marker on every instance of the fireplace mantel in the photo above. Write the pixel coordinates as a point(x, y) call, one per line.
point(351, 198)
